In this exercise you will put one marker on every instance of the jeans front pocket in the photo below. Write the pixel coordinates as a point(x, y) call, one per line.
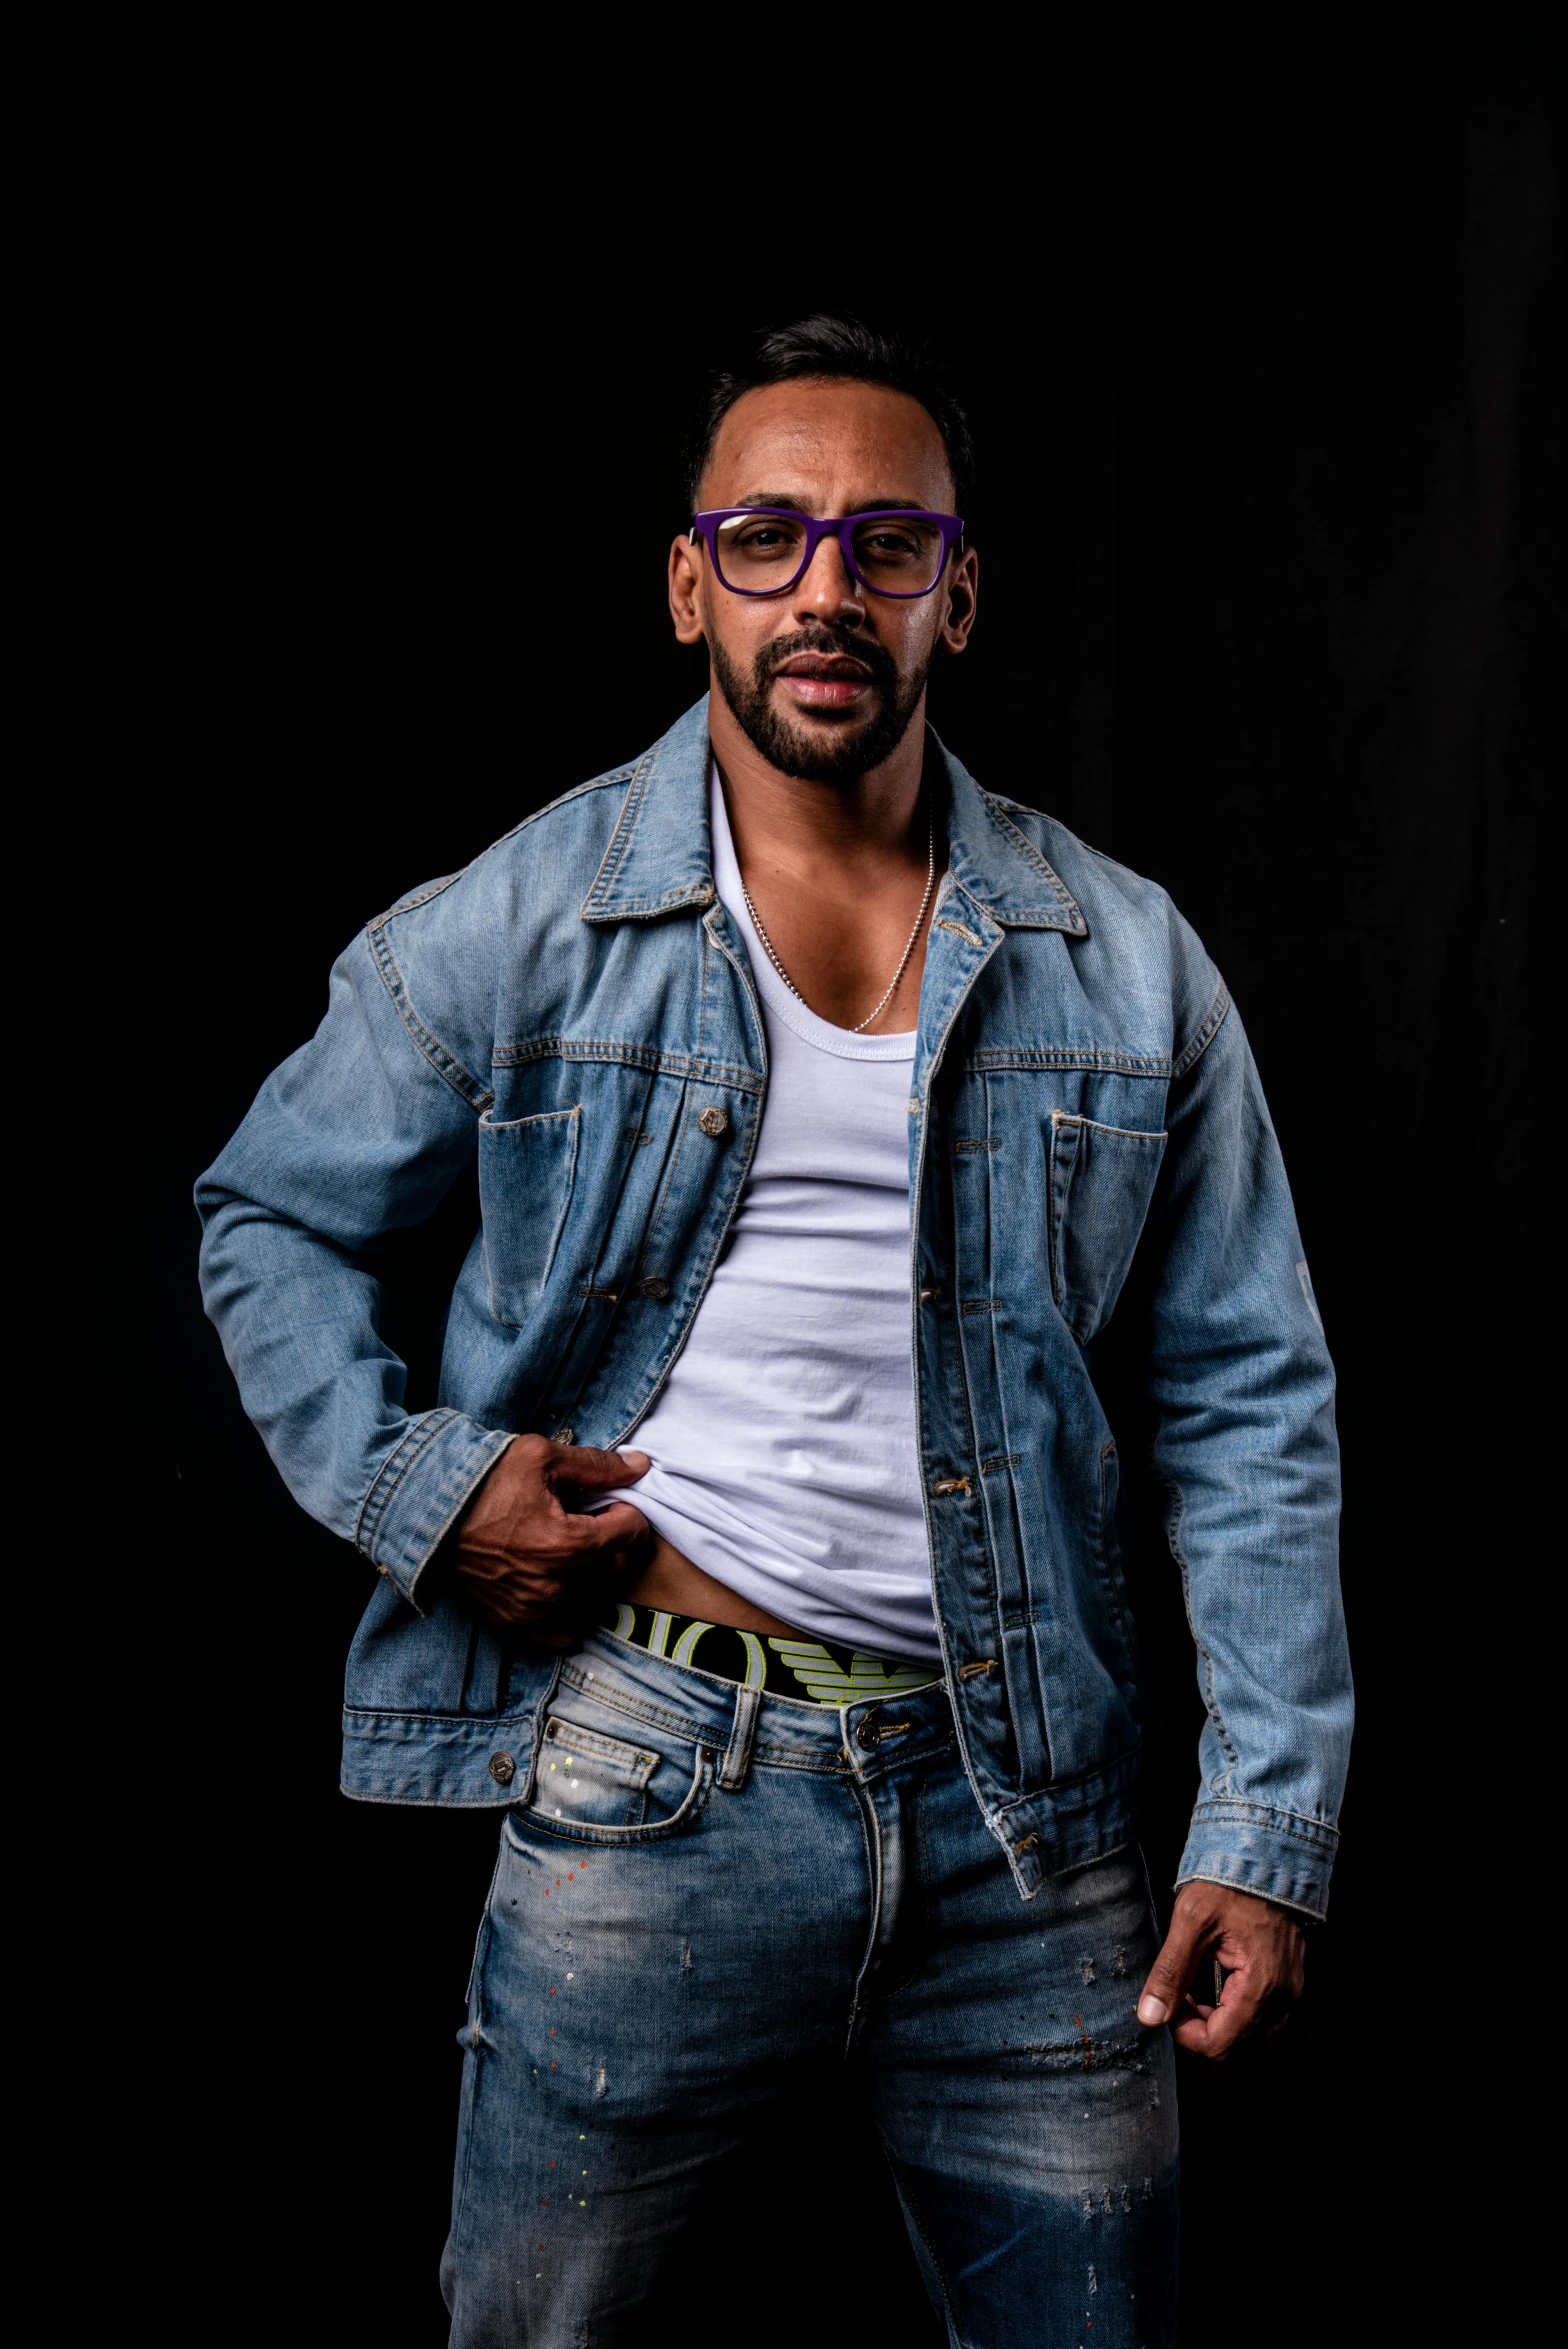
point(591, 1785)
point(527, 1167)
point(591, 1780)
point(1102, 1179)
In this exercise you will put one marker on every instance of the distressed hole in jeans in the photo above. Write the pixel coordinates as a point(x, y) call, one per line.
point(1086, 1968)
point(601, 2081)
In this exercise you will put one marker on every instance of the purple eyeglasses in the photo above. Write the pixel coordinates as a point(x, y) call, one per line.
point(763, 550)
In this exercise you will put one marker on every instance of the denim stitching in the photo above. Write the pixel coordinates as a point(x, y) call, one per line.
point(1205, 1035)
point(650, 1237)
point(641, 1708)
point(1220, 1810)
point(1031, 855)
point(1068, 1056)
point(373, 1507)
point(1066, 1117)
point(1107, 1528)
point(1211, 1702)
point(1109, 1774)
point(748, 988)
point(445, 1063)
point(872, 1842)
point(475, 2021)
point(784, 1757)
point(694, 895)
point(917, 1192)
point(596, 901)
point(913, 2218)
point(1276, 1893)
point(620, 838)
point(692, 1805)
point(628, 1055)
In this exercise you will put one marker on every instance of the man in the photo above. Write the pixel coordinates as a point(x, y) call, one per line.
point(822, 1102)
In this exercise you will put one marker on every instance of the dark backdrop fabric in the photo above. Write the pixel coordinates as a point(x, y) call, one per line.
point(1262, 339)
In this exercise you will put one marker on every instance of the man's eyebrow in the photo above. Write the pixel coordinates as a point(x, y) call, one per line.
point(789, 505)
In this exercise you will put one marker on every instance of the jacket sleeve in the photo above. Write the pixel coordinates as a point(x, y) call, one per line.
point(360, 1134)
point(1243, 1394)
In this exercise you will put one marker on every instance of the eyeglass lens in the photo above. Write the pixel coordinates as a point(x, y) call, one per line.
point(764, 552)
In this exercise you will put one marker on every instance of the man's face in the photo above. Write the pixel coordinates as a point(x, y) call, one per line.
point(825, 677)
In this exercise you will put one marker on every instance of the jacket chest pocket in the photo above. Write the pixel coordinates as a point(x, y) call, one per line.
point(527, 1167)
point(1102, 1179)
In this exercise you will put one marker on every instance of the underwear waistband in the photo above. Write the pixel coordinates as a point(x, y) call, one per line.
point(821, 1672)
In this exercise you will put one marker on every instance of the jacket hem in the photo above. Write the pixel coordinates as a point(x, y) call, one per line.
point(422, 1761)
point(1057, 1828)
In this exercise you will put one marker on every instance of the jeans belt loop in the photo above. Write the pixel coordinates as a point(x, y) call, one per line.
point(737, 1754)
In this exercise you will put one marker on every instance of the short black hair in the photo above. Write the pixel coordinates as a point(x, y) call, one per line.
point(838, 350)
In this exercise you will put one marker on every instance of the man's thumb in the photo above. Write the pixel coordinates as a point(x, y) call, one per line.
point(586, 1466)
point(1172, 1970)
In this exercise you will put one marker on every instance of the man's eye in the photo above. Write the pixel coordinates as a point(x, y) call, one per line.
point(890, 545)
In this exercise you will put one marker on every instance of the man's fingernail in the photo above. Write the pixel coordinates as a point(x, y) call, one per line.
point(1151, 2012)
point(637, 1460)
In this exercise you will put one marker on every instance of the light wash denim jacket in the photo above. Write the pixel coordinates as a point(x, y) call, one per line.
point(577, 1009)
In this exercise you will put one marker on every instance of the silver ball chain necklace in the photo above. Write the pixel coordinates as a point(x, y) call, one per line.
point(903, 960)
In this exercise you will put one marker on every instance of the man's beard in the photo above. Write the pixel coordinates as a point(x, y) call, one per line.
point(841, 757)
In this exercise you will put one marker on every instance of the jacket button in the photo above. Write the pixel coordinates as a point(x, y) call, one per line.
point(715, 1123)
point(653, 1287)
point(564, 1435)
point(502, 1769)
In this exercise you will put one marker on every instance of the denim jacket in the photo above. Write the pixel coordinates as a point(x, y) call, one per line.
point(577, 1010)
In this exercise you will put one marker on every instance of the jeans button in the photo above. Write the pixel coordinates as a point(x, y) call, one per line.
point(655, 1288)
point(502, 1769)
point(868, 1735)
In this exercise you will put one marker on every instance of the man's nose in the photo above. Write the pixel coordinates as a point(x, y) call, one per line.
point(827, 589)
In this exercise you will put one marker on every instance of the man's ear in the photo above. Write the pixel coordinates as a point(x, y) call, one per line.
point(962, 597)
point(686, 585)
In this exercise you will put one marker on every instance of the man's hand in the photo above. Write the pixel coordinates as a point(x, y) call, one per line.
point(1260, 1950)
point(527, 1559)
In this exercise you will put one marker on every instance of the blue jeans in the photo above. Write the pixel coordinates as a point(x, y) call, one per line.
point(706, 1890)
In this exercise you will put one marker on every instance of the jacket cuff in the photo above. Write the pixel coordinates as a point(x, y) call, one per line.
point(421, 1492)
point(1275, 1855)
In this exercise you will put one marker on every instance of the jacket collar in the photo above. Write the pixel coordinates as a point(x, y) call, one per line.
point(660, 858)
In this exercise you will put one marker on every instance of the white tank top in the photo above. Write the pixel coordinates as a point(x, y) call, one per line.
point(783, 1445)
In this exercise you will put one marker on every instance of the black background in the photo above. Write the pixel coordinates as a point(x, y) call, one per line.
point(1261, 334)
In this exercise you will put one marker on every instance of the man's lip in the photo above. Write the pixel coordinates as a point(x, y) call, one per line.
point(839, 667)
point(839, 689)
